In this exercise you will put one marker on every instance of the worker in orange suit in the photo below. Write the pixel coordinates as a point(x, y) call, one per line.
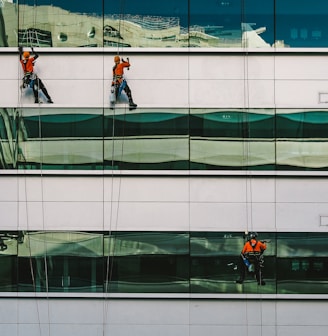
point(251, 259)
point(119, 84)
point(30, 78)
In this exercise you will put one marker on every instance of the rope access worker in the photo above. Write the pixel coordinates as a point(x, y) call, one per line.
point(119, 83)
point(251, 259)
point(30, 78)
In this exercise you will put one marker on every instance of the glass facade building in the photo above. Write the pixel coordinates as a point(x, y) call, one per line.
point(151, 207)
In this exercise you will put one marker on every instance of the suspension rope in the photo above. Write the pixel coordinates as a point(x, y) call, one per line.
point(247, 141)
point(114, 215)
point(19, 116)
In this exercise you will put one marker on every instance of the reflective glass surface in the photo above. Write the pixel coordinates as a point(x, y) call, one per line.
point(146, 23)
point(173, 23)
point(302, 263)
point(163, 139)
point(161, 262)
point(302, 23)
point(60, 23)
point(145, 262)
point(215, 265)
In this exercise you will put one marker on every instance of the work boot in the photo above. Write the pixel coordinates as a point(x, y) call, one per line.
point(132, 105)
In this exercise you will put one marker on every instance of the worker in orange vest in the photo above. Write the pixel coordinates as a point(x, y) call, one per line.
point(30, 78)
point(119, 84)
point(251, 259)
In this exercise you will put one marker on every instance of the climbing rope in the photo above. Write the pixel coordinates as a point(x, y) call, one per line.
point(114, 215)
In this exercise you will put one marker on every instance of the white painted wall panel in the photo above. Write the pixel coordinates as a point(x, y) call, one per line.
point(298, 67)
point(293, 93)
point(164, 317)
point(129, 189)
point(148, 216)
point(239, 81)
point(9, 215)
point(8, 189)
point(162, 203)
point(310, 190)
point(297, 216)
point(69, 93)
point(218, 67)
point(218, 216)
point(217, 93)
point(9, 86)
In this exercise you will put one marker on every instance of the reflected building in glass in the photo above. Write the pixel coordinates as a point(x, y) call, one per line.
point(118, 220)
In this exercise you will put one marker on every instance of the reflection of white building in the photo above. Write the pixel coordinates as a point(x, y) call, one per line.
point(55, 27)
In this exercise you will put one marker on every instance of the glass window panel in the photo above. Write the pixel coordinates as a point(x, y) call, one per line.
point(302, 139)
point(297, 124)
point(143, 262)
point(147, 123)
point(302, 263)
point(8, 24)
point(60, 23)
point(146, 23)
point(8, 261)
point(159, 262)
point(302, 23)
point(233, 123)
point(61, 138)
point(232, 139)
point(61, 262)
point(146, 140)
point(8, 136)
point(215, 23)
point(257, 23)
point(216, 264)
point(231, 23)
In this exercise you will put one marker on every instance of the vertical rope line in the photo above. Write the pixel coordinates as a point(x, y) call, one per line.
point(103, 177)
point(275, 150)
point(246, 122)
point(189, 170)
point(113, 217)
point(245, 133)
point(45, 261)
point(45, 256)
point(25, 185)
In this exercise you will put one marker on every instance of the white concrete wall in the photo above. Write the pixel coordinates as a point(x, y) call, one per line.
point(67, 317)
point(163, 203)
point(218, 80)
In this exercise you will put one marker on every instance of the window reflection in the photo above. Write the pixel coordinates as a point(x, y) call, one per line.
point(215, 263)
point(302, 263)
point(147, 23)
point(148, 262)
point(173, 23)
point(159, 262)
point(60, 262)
point(8, 261)
point(302, 24)
point(58, 23)
point(197, 139)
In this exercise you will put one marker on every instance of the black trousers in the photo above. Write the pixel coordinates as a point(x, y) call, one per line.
point(244, 270)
